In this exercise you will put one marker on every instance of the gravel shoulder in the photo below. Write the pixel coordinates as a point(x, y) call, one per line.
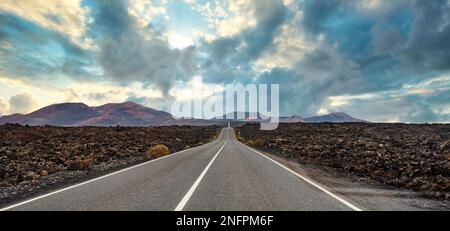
point(371, 197)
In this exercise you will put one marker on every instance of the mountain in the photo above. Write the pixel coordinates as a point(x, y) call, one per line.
point(66, 114)
point(135, 115)
point(292, 119)
point(127, 114)
point(248, 116)
point(338, 117)
point(14, 118)
point(79, 114)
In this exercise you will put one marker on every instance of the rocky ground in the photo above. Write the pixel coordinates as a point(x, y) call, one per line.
point(34, 159)
point(399, 155)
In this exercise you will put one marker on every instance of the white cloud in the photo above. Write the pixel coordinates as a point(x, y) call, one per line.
point(146, 10)
point(21, 103)
point(3, 108)
point(337, 101)
point(194, 89)
point(91, 93)
point(227, 18)
point(290, 45)
point(370, 4)
point(322, 111)
point(378, 8)
point(179, 40)
point(394, 105)
point(66, 17)
point(100, 93)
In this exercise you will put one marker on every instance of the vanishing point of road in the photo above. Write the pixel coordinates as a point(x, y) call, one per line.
point(222, 175)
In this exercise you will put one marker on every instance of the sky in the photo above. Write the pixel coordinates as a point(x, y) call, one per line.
point(378, 60)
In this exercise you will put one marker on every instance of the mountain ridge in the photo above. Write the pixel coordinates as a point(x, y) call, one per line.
point(131, 114)
point(335, 117)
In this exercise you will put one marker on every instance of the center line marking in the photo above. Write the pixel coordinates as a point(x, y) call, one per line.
point(191, 191)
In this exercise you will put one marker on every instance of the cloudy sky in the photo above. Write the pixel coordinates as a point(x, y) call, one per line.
point(379, 60)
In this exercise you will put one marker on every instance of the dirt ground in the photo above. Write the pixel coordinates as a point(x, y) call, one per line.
point(402, 156)
point(34, 159)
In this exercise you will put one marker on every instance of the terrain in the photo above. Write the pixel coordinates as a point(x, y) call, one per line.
point(223, 174)
point(35, 158)
point(404, 156)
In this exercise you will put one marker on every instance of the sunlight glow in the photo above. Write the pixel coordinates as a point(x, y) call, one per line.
point(180, 41)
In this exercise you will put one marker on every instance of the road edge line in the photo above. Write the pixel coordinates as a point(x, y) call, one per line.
point(317, 185)
point(99, 178)
point(192, 189)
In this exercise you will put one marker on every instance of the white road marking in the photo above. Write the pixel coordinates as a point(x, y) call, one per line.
point(98, 178)
point(191, 191)
point(321, 188)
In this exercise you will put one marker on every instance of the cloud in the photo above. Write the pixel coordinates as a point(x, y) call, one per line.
point(387, 41)
point(317, 13)
point(146, 11)
point(228, 18)
point(66, 17)
point(427, 48)
point(426, 101)
point(89, 92)
point(34, 52)
point(422, 113)
point(290, 46)
point(22, 103)
point(3, 108)
point(230, 59)
point(321, 73)
point(129, 53)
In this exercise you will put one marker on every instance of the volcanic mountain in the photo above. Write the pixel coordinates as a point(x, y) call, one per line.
point(337, 117)
point(292, 119)
point(135, 115)
point(80, 114)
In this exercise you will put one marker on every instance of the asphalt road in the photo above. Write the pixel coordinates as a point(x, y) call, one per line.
point(221, 175)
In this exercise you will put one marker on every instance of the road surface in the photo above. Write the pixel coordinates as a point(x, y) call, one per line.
point(221, 175)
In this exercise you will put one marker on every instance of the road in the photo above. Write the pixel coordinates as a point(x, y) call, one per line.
point(221, 175)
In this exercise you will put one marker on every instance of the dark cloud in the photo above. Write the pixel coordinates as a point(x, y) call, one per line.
point(133, 58)
point(270, 16)
point(427, 48)
point(163, 103)
point(128, 53)
point(320, 74)
point(318, 13)
point(417, 36)
point(385, 49)
point(221, 49)
point(111, 19)
point(387, 41)
point(226, 54)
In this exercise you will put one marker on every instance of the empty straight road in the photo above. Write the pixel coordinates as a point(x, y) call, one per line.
point(221, 175)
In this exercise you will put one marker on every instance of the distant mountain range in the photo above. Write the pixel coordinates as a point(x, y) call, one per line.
point(337, 117)
point(80, 114)
point(132, 114)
